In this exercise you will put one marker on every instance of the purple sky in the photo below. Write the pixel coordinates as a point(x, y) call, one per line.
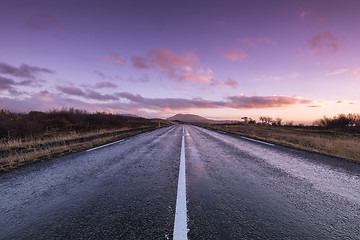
point(298, 60)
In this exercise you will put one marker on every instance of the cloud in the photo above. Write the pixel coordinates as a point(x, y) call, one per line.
point(345, 102)
point(6, 83)
point(228, 83)
point(168, 104)
point(234, 54)
point(137, 104)
point(40, 21)
point(201, 75)
point(105, 85)
point(144, 78)
point(303, 14)
point(251, 42)
point(97, 96)
point(88, 94)
point(24, 71)
point(140, 62)
point(100, 74)
point(238, 102)
point(248, 42)
point(9, 84)
point(114, 58)
point(71, 90)
point(324, 43)
point(179, 67)
point(243, 102)
point(166, 59)
point(353, 70)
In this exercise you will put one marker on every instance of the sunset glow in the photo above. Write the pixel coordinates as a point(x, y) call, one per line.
point(298, 60)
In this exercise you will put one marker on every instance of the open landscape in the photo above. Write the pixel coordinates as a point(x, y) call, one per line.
point(337, 142)
point(337, 136)
point(179, 120)
point(39, 136)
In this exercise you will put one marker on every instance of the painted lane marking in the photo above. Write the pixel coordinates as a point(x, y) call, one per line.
point(254, 140)
point(92, 149)
point(180, 225)
point(221, 132)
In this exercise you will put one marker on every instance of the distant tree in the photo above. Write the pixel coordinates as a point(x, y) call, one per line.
point(289, 124)
point(265, 120)
point(252, 121)
point(246, 120)
point(339, 121)
point(277, 121)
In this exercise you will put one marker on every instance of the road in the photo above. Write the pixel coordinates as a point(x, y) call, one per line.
point(235, 188)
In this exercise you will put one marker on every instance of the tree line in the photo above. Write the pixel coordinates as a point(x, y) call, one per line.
point(339, 121)
point(18, 125)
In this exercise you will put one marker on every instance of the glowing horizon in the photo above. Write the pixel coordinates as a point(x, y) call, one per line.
point(225, 60)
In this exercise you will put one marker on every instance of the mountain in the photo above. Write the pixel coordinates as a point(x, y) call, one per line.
point(189, 118)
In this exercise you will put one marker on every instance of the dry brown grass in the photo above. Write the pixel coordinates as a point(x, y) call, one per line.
point(331, 142)
point(18, 152)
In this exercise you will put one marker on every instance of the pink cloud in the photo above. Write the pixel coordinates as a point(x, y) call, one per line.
point(136, 103)
point(203, 75)
point(314, 106)
point(353, 70)
point(250, 42)
point(184, 67)
point(243, 102)
point(238, 102)
point(166, 59)
point(345, 102)
point(234, 54)
point(228, 83)
point(324, 43)
point(303, 14)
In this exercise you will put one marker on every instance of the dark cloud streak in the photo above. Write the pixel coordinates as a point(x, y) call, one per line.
point(24, 71)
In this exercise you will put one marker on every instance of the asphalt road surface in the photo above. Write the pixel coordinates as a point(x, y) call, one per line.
point(235, 188)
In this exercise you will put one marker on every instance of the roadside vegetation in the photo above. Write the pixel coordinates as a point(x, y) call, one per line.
point(337, 136)
point(39, 136)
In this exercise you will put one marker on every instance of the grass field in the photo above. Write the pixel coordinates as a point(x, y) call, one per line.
point(17, 152)
point(39, 136)
point(334, 142)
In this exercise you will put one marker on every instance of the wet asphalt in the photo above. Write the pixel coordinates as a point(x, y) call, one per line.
point(236, 189)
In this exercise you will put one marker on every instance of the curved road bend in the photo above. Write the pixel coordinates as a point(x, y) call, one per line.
point(235, 189)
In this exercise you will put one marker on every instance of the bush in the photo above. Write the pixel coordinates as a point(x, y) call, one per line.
point(19, 125)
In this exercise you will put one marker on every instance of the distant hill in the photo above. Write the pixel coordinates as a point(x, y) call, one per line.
point(189, 118)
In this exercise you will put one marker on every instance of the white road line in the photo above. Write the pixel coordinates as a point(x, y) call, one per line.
point(92, 149)
point(254, 140)
point(221, 132)
point(180, 225)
